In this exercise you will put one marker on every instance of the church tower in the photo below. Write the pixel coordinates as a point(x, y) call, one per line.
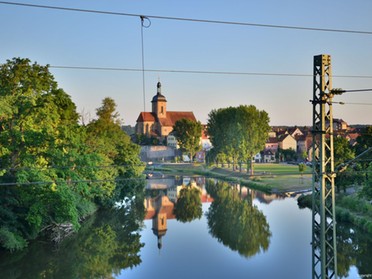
point(159, 103)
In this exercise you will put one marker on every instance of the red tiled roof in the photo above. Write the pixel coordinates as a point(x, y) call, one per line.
point(174, 116)
point(146, 117)
point(353, 135)
point(272, 140)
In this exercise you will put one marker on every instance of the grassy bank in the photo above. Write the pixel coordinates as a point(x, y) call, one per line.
point(267, 178)
point(349, 208)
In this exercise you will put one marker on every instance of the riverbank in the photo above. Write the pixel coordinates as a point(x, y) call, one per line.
point(269, 178)
point(350, 208)
point(281, 178)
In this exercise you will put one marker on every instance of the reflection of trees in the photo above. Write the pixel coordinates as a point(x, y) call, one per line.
point(107, 242)
point(189, 205)
point(235, 222)
point(353, 248)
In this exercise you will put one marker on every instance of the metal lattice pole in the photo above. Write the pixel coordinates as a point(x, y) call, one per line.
point(324, 253)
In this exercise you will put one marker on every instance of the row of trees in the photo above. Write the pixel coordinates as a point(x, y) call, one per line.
point(237, 134)
point(53, 170)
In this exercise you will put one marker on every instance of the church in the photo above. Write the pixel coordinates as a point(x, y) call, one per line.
point(159, 122)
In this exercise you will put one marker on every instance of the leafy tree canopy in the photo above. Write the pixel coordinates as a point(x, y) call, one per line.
point(53, 170)
point(188, 134)
point(238, 132)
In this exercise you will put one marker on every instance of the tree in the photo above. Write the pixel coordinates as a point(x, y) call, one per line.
point(54, 172)
point(342, 151)
point(238, 132)
point(364, 141)
point(38, 129)
point(108, 139)
point(301, 168)
point(188, 134)
point(342, 154)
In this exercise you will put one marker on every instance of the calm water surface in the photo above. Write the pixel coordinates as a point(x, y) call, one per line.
point(240, 234)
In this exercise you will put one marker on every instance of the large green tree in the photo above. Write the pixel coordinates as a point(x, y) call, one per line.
point(238, 132)
point(188, 134)
point(108, 139)
point(54, 171)
point(38, 132)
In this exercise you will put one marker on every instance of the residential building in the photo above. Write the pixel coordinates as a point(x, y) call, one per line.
point(268, 156)
point(272, 144)
point(286, 141)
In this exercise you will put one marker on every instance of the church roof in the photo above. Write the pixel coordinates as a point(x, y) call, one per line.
point(174, 116)
point(158, 96)
point(146, 117)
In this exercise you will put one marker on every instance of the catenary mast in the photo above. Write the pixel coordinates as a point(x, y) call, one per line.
point(324, 252)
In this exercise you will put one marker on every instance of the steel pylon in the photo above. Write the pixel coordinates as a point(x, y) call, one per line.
point(324, 252)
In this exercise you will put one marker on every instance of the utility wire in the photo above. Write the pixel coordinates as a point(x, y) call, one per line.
point(347, 103)
point(198, 72)
point(189, 19)
point(144, 25)
point(359, 90)
point(68, 182)
point(266, 175)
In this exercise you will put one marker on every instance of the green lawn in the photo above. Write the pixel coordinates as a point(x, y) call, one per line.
point(279, 169)
point(273, 177)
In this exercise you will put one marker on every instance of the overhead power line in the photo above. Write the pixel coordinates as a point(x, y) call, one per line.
point(189, 19)
point(199, 72)
point(348, 103)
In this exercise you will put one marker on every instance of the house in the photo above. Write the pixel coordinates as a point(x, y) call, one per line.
point(205, 141)
point(172, 141)
point(272, 144)
point(339, 124)
point(268, 156)
point(352, 138)
point(295, 132)
point(159, 122)
point(286, 141)
point(257, 158)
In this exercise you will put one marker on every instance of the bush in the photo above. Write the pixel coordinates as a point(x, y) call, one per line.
point(11, 241)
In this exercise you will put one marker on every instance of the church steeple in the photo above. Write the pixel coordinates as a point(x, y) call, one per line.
point(159, 103)
point(159, 88)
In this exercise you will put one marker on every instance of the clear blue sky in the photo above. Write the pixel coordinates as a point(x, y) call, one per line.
point(63, 38)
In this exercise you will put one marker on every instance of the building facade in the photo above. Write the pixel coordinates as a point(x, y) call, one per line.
point(159, 122)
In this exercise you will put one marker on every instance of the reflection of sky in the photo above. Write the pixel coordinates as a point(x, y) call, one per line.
point(189, 251)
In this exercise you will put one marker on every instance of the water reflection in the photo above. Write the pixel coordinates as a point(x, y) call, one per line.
point(236, 222)
point(107, 243)
point(110, 242)
point(181, 202)
point(353, 249)
point(189, 205)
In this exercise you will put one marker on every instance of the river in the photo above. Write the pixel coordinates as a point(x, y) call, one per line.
point(227, 232)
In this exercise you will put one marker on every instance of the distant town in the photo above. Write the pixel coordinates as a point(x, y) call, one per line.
point(153, 131)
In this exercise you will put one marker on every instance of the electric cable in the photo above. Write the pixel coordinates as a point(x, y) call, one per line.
point(199, 72)
point(304, 28)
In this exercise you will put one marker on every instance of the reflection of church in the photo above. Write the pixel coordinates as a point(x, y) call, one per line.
point(159, 209)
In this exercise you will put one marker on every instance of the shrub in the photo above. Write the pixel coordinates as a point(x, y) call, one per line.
point(11, 241)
